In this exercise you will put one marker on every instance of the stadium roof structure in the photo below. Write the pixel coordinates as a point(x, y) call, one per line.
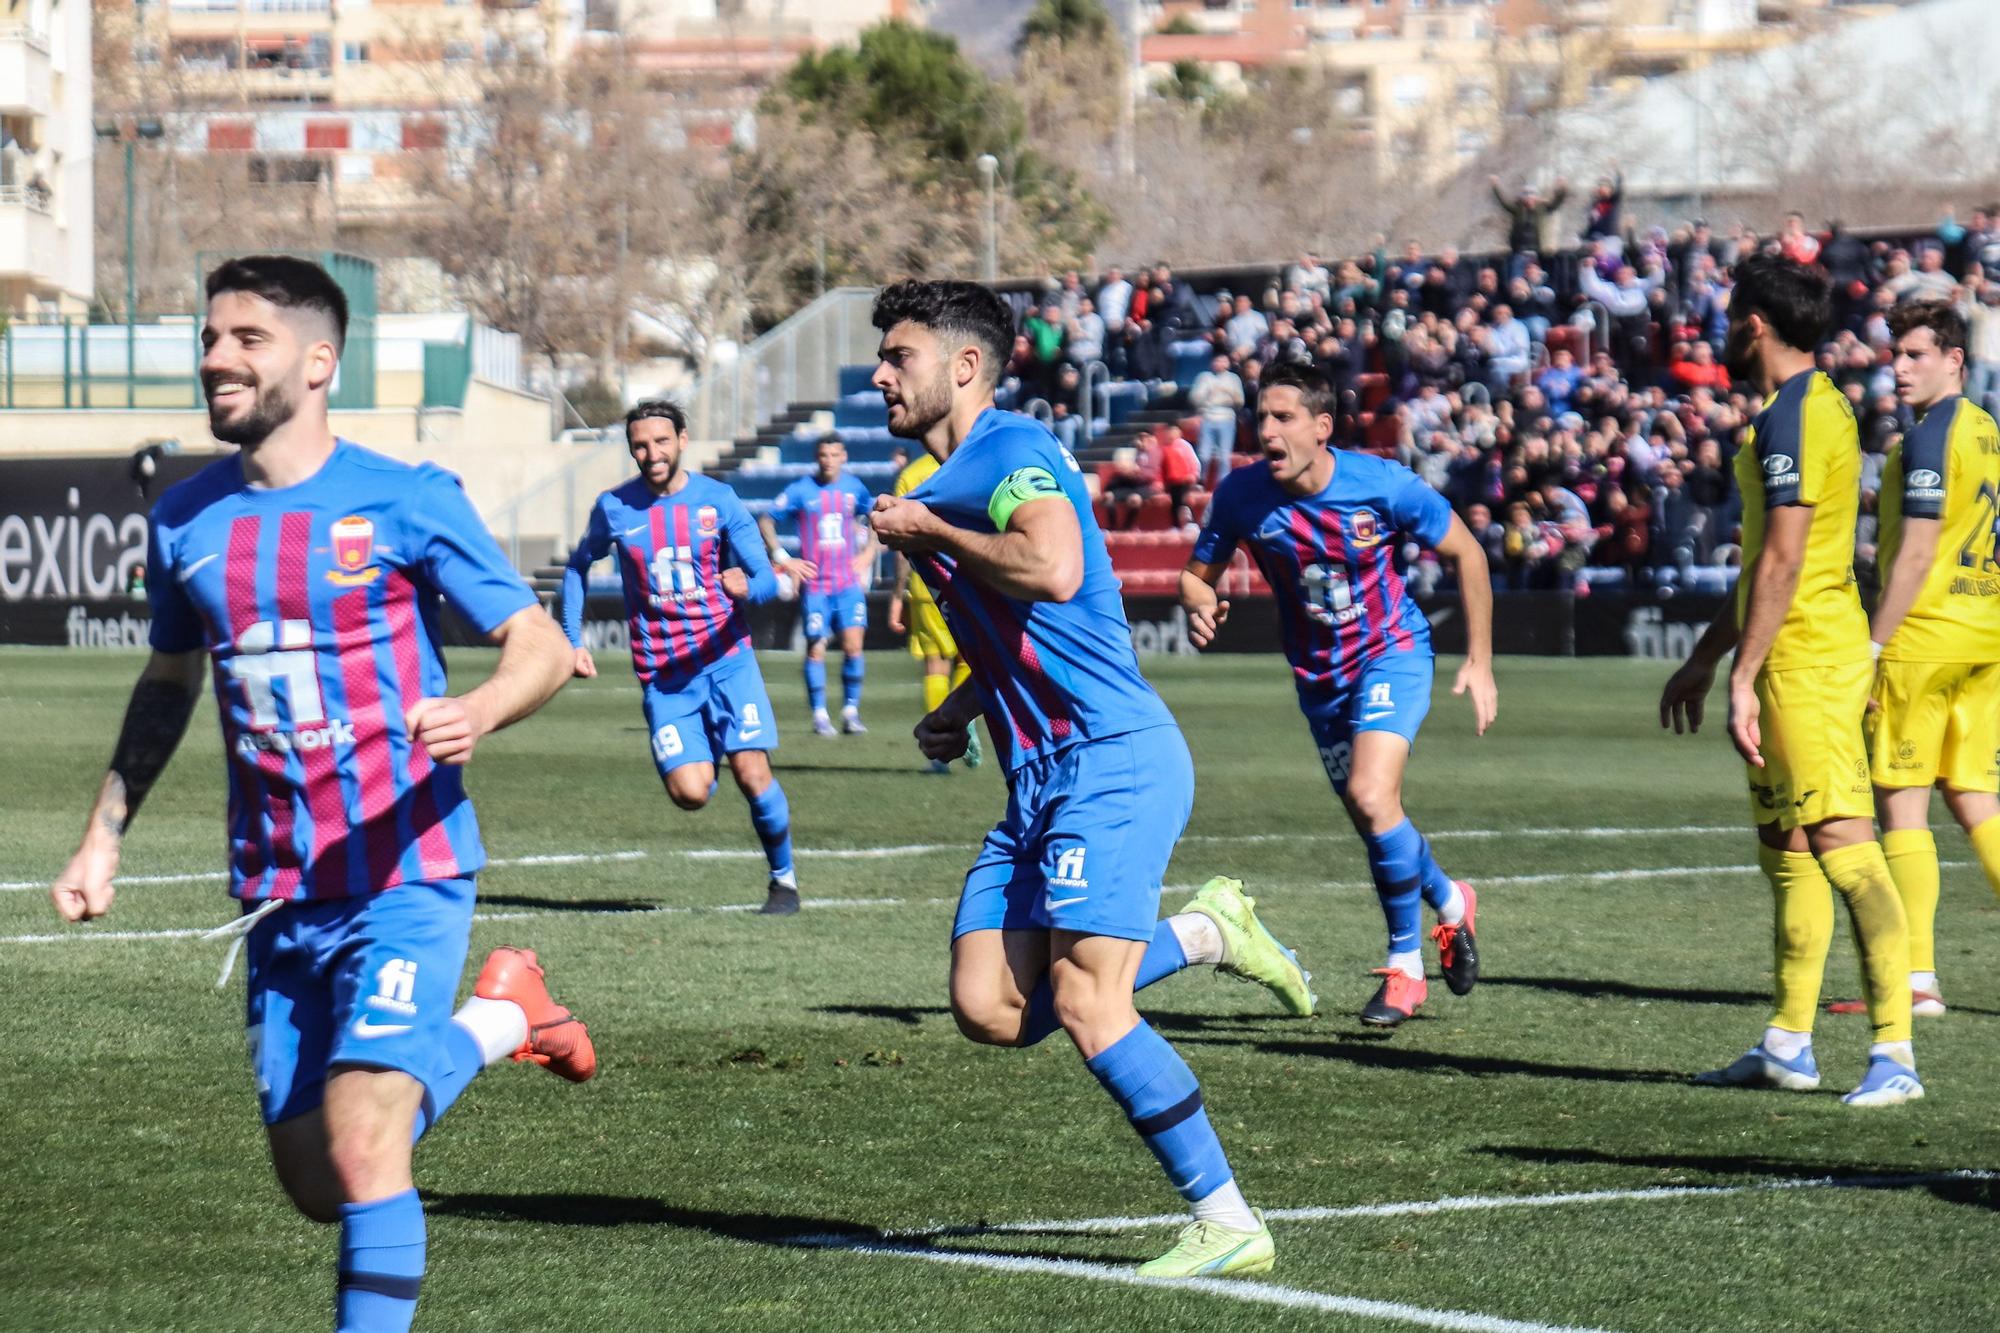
point(1911, 97)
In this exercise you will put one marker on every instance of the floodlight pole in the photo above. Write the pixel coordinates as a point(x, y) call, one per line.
point(989, 167)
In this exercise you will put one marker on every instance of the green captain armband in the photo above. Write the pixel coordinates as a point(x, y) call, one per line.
point(1022, 485)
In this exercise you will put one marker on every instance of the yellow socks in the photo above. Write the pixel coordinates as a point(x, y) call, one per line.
point(1804, 912)
point(935, 690)
point(1880, 933)
point(1913, 864)
point(1986, 846)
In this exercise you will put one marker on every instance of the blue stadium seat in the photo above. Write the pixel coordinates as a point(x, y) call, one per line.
point(854, 379)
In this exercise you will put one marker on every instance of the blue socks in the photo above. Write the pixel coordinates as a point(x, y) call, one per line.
point(467, 1059)
point(1397, 860)
point(771, 816)
point(851, 670)
point(1159, 1095)
point(1163, 957)
point(816, 683)
point(381, 1264)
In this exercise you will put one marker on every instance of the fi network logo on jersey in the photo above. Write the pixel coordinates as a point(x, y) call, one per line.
point(353, 553)
point(1069, 871)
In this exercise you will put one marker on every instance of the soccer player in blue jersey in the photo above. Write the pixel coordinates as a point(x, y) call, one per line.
point(688, 559)
point(306, 571)
point(1058, 919)
point(836, 553)
point(1327, 529)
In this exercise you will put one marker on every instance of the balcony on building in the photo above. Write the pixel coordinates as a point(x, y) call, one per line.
point(26, 78)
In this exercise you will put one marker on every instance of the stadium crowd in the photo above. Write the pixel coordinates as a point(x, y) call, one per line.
point(1572, 400)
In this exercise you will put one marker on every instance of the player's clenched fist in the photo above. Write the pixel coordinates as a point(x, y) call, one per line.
point(902, 525)
point(942, 735)
point(585, 667)
point(83, 891)
point(446, 728)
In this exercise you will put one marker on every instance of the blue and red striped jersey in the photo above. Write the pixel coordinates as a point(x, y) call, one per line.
point(1334, 560)
point(317, 604)
point(831, 523)
point(1050, 674)
point(671, 552)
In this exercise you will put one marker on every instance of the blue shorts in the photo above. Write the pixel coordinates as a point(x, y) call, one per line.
point(1086, 840)
point(829, 613)
point(715, 713)
point(1392, 693)
point(367, 981)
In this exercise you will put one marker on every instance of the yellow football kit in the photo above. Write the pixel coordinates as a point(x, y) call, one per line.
point(1803, 449)
point(1939, 680)
point(929, 635)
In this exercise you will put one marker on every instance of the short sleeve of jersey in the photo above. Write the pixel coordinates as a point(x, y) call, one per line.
point(1422, 512)
point(786, 503)
point(1781, 445)
point(1925, 450)
point(1217, 542)
point(450, 542)
point(176, 625)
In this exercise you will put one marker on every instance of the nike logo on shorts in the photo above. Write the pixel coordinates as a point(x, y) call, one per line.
point(1053, 903)
point(365, 1028)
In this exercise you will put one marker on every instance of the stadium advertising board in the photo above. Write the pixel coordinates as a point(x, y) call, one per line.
point(72, 533)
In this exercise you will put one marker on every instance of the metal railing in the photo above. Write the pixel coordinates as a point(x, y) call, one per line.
point(28, 197)
point(798, 361)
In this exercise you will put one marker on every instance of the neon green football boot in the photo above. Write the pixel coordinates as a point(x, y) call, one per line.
point(1249, 950)
point(1209, 1249)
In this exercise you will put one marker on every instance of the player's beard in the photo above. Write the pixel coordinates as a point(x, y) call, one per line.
point(923, 408)
point(1739, 356)
point(271, 410)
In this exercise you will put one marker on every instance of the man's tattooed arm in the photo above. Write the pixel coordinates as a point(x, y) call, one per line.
point(155, 721)
point(162, 702)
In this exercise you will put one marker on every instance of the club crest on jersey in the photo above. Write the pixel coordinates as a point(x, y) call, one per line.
point(353, 552)
point(706, 518)
point(1362, 529)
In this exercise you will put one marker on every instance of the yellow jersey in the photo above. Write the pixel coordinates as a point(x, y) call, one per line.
point(1948, 469)
point(914, 474)
point(1804, 449)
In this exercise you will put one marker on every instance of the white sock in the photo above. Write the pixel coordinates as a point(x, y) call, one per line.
point(499, 1026)
point(1902, 1052)
point(850, 710)
point(1410, 964)
point(1226, 1207)
point(787, 878)
point(819, 715)
point(1453, 910)
point(1786, 1045)
point(1923, 981)
point(1200, 940)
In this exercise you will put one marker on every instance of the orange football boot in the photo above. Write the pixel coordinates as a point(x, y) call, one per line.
point(557, 1039)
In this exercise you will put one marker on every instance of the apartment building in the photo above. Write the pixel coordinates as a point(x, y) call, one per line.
point(343, 92)
point(1432, 83)
point(45, 149)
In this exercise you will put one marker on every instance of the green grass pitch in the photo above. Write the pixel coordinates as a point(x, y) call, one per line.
point(764, 1080)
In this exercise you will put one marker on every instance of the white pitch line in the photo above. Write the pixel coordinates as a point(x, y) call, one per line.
point(218, 876)
point(88, 934)
point(1250, 1292)
point(908, 1244)
point(1449, 1204)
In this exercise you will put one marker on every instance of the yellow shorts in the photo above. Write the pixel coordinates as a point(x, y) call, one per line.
point(1815, 757)
point(1939, 720)
point(929, 635)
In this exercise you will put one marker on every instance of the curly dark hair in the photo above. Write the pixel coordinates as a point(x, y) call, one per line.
point(962, 311)
point(1940, 317)
point(1793, 299)
point(657, 407)
point(285, 280)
